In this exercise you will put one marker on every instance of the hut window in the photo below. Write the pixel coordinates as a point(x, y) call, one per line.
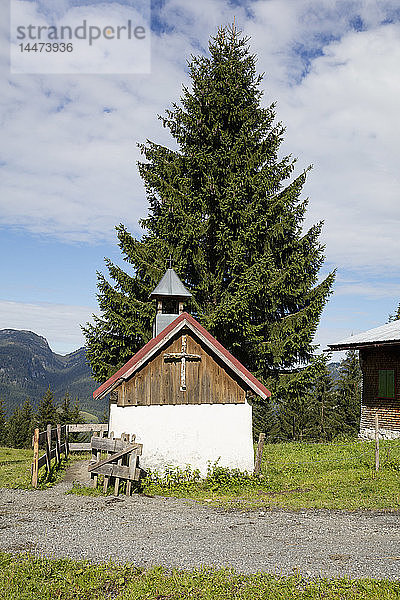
point(386, 384)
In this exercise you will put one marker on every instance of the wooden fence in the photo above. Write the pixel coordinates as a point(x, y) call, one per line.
point(45, 438)
point(55, 442)
point(100, 428)
point(121, 463)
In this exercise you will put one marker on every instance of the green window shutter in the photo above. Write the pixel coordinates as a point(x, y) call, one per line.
point(382, 384)
point(389, 384)
point(386, 384)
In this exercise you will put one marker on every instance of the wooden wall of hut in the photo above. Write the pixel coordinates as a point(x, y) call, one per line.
point(372, 360)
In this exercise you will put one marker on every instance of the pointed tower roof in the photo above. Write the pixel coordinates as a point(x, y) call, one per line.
point(170, 285)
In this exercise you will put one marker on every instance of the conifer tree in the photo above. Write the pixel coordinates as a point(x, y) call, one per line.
point(395, 316)
point(65, 411)
point(295, 414)
point(20, 426)
point(105, 416)
point(324, 415)
point(3, 424)
point(16, 436)
point(28, 422)
point(46, 413)
point(228, 209)
point(76, 416)
point(349, 393)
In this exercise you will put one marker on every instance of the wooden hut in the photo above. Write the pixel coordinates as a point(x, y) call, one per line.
point(183, 394)
point(379, 352)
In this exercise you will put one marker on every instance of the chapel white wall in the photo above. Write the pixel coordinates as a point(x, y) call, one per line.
point(194, 435)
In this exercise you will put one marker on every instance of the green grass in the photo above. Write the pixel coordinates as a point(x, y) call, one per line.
point(26, 577)
point(15, 469)
point(339, 475)
point(89, 417)
point(79, 489)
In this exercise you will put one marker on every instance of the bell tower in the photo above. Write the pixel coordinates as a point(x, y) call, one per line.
point(170, 295)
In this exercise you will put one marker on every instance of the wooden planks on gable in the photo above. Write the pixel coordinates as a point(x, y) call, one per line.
point(158, 382)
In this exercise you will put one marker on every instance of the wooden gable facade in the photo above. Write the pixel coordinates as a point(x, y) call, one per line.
point(184, 364)
point(207, 380)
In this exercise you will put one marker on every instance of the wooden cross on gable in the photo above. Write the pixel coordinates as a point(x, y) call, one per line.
point(183, 356)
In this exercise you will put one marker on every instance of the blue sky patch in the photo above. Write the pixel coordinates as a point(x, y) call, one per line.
point(357, 23)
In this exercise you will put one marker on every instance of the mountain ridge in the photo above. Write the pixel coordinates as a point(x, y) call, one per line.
point(28, 366)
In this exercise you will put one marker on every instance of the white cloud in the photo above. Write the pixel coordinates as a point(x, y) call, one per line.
point(69, 143)
point(58, 323)
point(68, 147)
point(344, 118)
point(369, 290)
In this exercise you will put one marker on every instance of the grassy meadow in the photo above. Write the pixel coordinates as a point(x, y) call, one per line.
point(15, 469)
point(26, 577)
point(339, 475)
point(294, 475)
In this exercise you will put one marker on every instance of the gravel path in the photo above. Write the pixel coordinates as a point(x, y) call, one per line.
point(179, 533)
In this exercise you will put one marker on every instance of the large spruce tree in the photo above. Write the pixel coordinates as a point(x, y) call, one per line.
point(227, 208)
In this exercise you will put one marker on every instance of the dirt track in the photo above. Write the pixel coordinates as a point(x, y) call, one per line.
point(178, 533)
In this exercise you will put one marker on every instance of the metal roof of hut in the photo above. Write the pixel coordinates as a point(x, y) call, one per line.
point(384, 335)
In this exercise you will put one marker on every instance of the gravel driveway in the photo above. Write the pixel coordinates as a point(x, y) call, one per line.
point(178, 533)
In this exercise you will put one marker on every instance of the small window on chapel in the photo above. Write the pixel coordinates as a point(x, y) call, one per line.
point(170, 306)
point(386, 383)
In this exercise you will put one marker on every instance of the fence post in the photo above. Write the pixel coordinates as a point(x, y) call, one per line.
point(66, 440)
point(260, 448)
point(58, 444)
point(93, 461)
point(376, 441)
point(132, 463)
point(125, 438)
point(35, 464)
point(48, 448)
point(106, 479)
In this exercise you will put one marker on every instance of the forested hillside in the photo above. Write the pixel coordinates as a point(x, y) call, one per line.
point(28, 366)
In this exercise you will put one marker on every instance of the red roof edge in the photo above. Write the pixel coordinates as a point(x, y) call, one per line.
point(154, 341)
point(138, 356)
point(214, 342)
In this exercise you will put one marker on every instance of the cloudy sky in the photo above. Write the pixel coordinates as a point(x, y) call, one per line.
point(68, 149)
